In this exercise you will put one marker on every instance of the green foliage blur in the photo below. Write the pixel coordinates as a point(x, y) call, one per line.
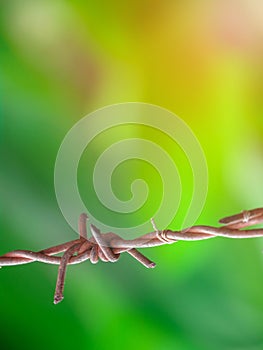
point(61, 60)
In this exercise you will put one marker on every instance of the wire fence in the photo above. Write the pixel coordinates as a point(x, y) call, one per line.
point(108, 247)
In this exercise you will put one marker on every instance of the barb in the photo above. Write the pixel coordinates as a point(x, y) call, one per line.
point(109, 246)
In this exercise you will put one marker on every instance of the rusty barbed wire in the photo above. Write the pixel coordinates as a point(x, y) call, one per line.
point(108, 247)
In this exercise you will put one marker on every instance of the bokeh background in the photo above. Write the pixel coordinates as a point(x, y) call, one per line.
point(61, 60)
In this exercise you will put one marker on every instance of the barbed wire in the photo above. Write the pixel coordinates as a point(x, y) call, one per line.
point(108, 247)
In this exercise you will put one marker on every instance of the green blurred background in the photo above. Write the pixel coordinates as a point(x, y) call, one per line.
point(61, 60)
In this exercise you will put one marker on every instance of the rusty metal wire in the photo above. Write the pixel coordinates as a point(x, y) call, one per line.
point(109, 246)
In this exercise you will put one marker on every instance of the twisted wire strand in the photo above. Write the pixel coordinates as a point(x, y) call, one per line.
point(109, 246)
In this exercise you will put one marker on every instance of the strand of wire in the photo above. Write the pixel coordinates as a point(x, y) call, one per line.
point(109, 246)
